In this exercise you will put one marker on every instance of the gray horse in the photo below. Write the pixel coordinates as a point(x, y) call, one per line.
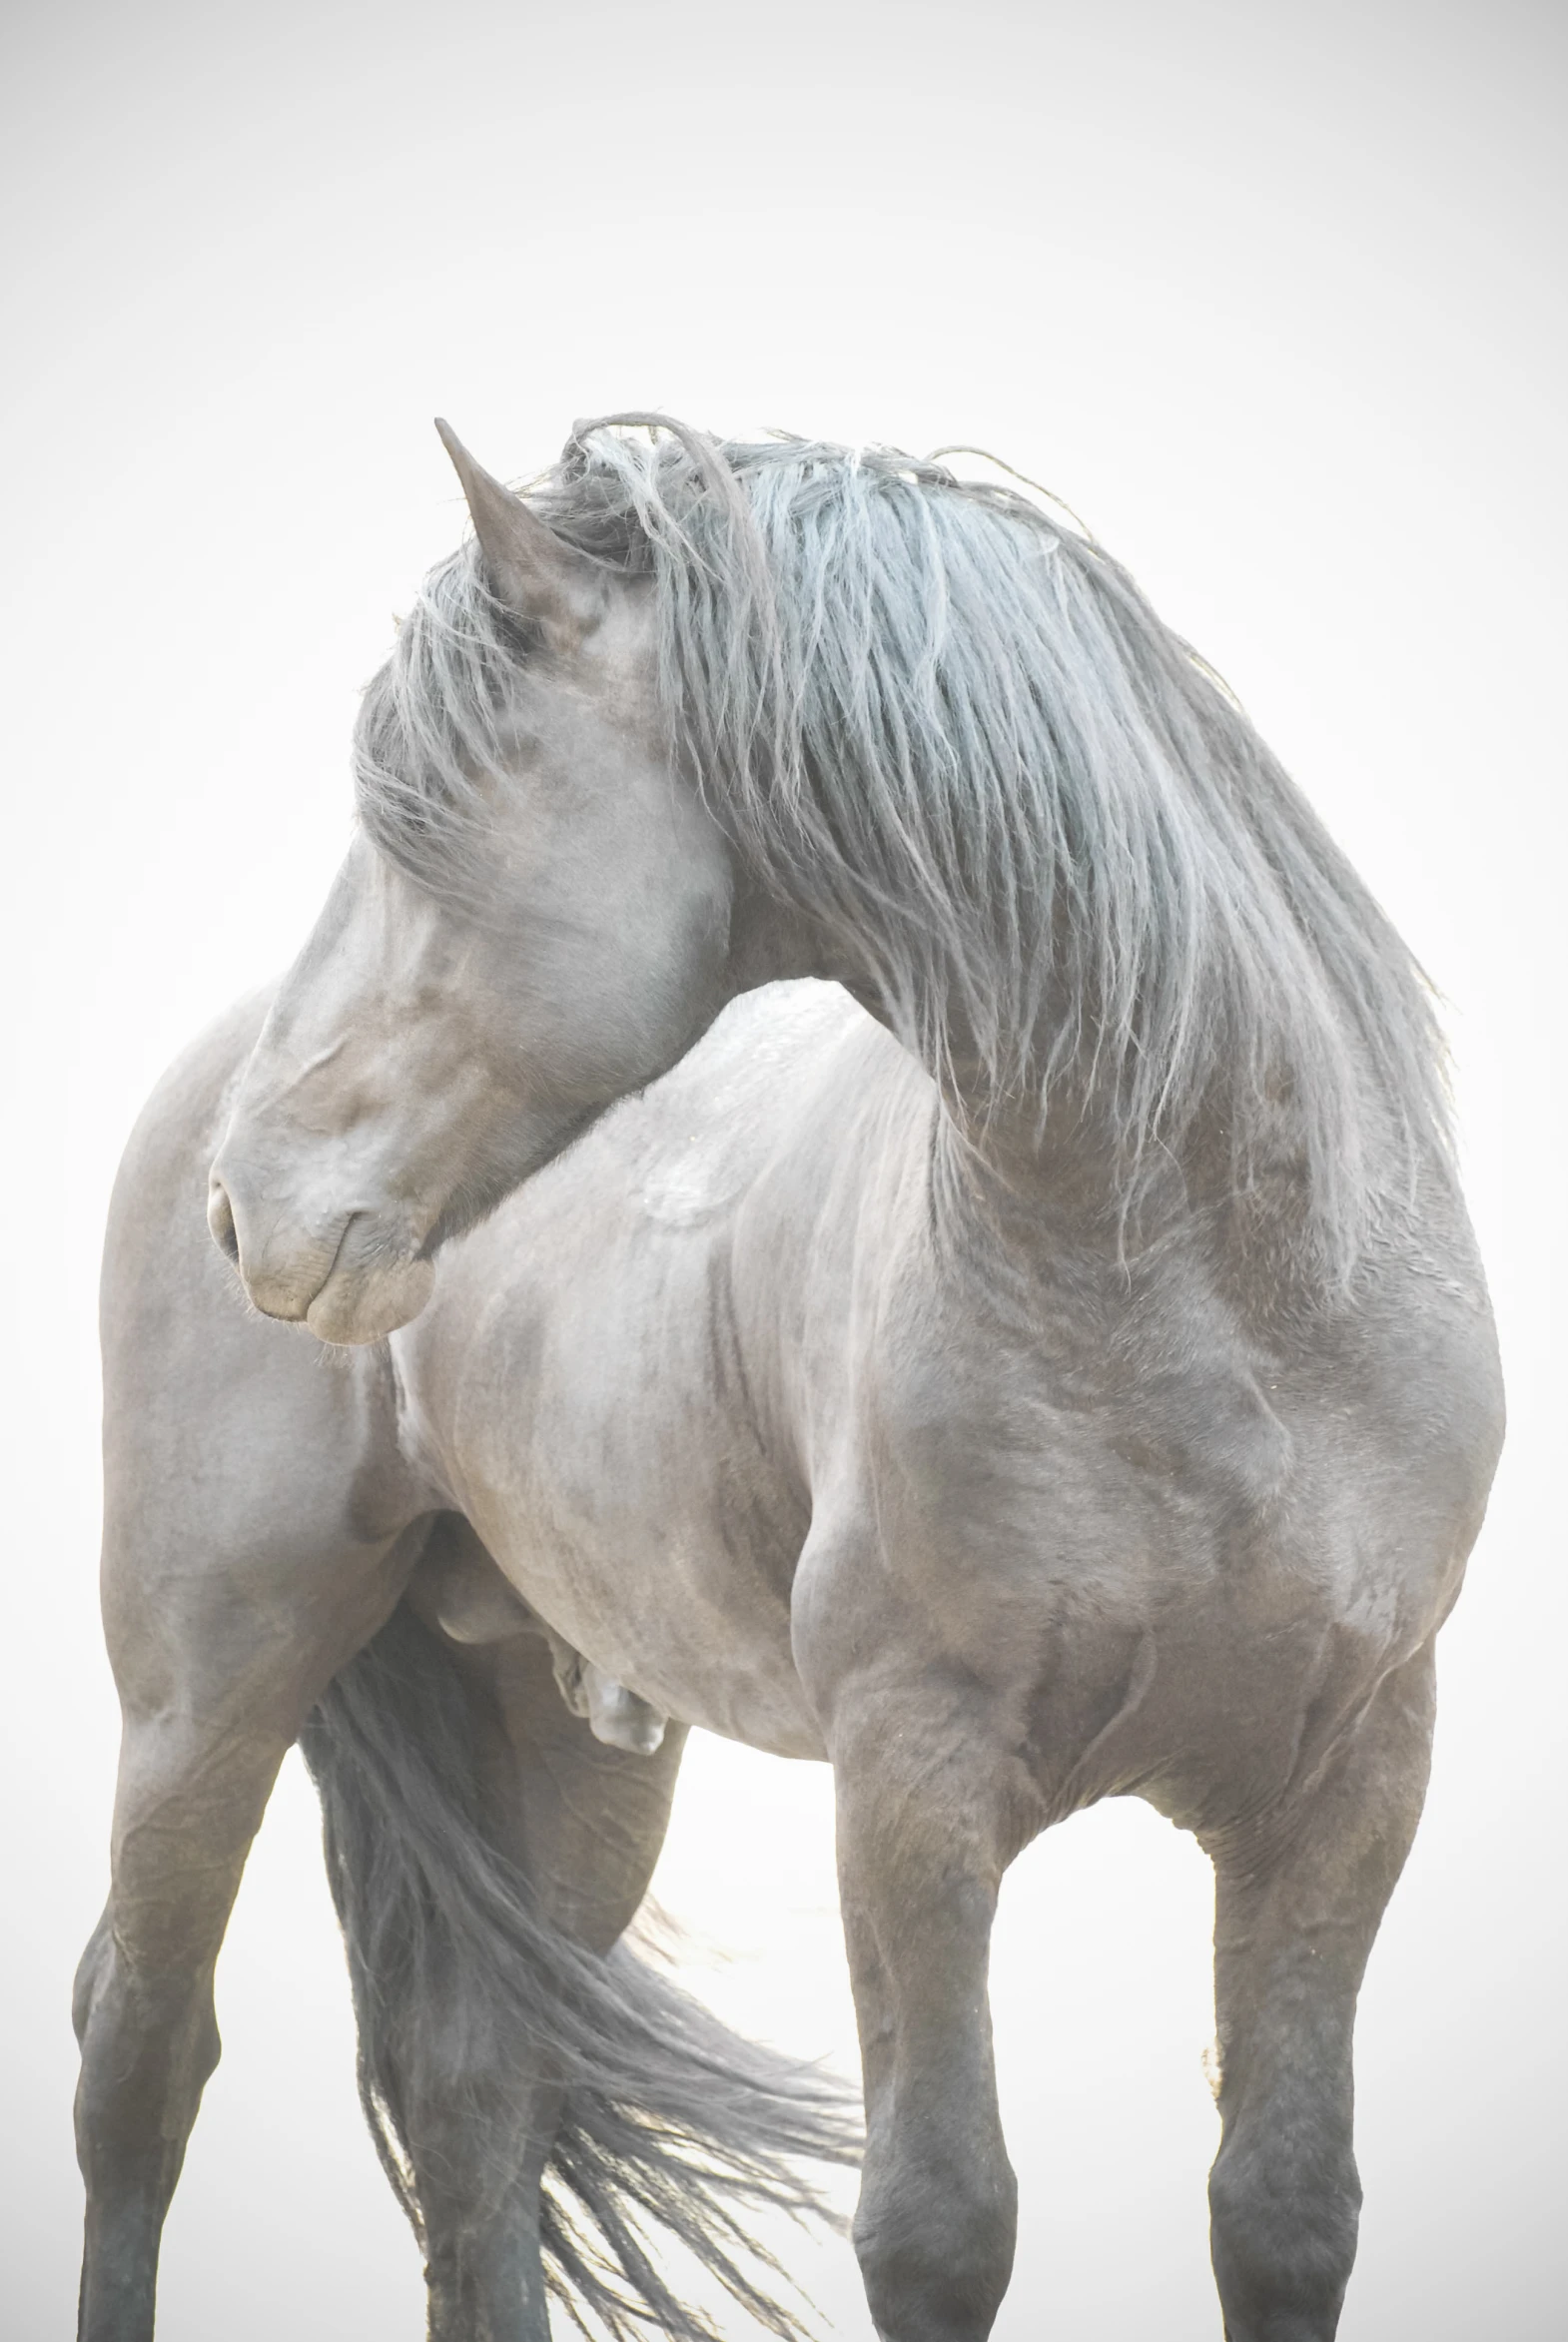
point(885, 1189)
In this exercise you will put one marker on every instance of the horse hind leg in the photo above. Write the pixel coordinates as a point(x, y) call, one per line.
point(257, 1528)
point(1298, 1903)
point(213, 1697)
point(470, 1814)
point(526, 2083)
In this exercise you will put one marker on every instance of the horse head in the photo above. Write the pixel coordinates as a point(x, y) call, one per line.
point(465, 1004)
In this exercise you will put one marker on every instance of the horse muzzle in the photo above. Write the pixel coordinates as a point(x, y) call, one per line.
point(348, 1275)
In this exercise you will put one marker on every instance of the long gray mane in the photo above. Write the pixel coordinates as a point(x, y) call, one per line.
point(947, 726)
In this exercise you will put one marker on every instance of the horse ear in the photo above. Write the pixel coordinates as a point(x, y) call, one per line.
point(538, 576)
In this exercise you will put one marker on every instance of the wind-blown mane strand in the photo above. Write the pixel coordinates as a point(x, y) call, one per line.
point(952, 731)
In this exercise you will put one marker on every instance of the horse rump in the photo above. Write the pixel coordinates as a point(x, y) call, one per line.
point(669, 2120)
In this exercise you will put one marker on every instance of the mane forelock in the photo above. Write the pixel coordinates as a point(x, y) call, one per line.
point(945, 725)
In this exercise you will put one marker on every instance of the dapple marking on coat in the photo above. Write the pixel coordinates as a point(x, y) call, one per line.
point(886, 1190)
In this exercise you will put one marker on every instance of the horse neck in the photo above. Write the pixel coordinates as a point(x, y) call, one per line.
point(1017, 1181)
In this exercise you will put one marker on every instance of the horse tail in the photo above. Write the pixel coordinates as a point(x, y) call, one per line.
point(671, 2121)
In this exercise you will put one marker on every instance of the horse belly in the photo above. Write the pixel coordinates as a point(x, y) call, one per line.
point(676, 1604)
point(622, 1487)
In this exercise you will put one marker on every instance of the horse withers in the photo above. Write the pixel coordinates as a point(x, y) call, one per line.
point(875, 1180)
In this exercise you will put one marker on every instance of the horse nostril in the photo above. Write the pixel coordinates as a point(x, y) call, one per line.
point(219, 1219)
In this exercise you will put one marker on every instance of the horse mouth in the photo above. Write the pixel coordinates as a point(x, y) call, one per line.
point(366, 1295)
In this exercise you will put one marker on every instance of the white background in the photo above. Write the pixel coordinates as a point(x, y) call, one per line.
point(1274, 297)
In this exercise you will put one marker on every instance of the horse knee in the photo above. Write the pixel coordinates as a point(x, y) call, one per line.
point(935, 2251)
point(1284, 2239)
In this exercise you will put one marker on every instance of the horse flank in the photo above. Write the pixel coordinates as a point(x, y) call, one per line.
point(948, 728)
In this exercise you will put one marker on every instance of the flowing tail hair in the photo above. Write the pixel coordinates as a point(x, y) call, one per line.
point(671, 2121)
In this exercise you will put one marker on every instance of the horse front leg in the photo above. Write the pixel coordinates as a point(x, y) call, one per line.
point(1299, 1902)
point(921, 1851)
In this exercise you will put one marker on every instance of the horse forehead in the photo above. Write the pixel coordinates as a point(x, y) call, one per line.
point(607, 683)
point(618, 652)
